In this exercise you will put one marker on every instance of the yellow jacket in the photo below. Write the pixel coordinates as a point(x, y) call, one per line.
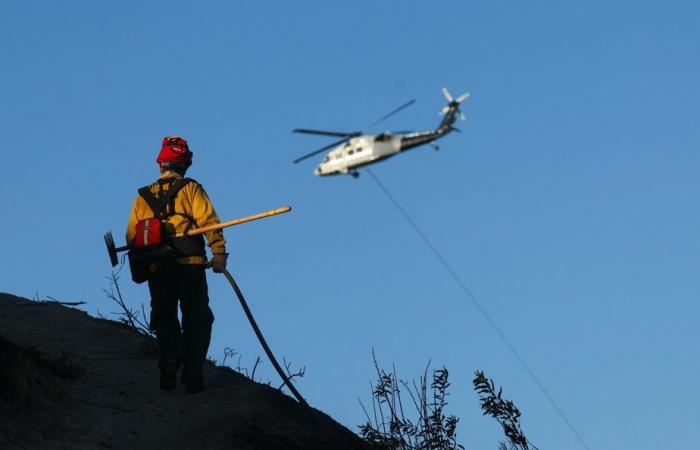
point(190, 201)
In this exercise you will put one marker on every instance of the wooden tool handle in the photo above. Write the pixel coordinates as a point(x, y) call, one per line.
point(230, 223)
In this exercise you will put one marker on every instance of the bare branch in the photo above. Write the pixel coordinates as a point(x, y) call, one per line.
point(51, 301)
point(127, 315)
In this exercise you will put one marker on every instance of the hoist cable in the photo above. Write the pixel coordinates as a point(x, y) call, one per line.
point(479, 307)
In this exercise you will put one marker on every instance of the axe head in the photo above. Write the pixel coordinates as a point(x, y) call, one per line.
point(111, 248)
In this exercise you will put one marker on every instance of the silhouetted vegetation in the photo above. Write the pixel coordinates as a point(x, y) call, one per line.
point(504, 411)
point(231, 354)
point(428, 427)
point(390, 425)
point(127, 315)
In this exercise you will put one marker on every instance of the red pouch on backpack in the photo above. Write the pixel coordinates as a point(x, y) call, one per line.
point(148, 232)
point(149, 253)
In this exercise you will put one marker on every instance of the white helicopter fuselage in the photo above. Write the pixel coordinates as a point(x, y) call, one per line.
point(357, 152)
point(355, 149)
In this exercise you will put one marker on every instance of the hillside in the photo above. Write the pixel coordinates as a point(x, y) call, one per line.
point(71, 381)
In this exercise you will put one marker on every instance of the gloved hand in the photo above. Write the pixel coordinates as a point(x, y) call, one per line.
point(218, 262)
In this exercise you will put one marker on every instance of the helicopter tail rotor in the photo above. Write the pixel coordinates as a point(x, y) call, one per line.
point(453, 103)
point(447, 95)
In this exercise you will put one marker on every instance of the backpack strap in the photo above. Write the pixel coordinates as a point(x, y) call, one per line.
point(158, 203)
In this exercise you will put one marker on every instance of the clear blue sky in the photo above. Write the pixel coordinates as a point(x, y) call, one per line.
point(568, 204)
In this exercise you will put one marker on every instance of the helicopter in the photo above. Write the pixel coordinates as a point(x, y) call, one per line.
point(356, 149)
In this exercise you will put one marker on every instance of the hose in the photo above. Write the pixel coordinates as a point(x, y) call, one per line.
point(261, 338)
point(313, 414)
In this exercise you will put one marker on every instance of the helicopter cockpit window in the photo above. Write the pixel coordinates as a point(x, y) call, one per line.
point(351, 152)
point(326, 159)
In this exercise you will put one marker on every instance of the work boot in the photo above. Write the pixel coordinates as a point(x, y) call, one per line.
point(168, 376)
point(194, 388)
point(193, 385)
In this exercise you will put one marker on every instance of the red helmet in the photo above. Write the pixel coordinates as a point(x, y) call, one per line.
point(174, 150)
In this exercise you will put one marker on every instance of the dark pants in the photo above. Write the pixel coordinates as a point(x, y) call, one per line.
point(187, 345)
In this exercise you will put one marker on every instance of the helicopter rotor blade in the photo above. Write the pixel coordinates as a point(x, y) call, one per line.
point(316, 152)
point(323, 133)
point(386, 116)
point(447, 95)
point(463, 97)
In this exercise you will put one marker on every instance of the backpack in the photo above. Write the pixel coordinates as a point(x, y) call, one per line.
point(150, 252)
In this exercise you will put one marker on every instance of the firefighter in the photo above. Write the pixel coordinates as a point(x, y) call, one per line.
point(184, 205)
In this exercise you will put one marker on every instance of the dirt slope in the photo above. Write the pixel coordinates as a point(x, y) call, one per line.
point(71, 381)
